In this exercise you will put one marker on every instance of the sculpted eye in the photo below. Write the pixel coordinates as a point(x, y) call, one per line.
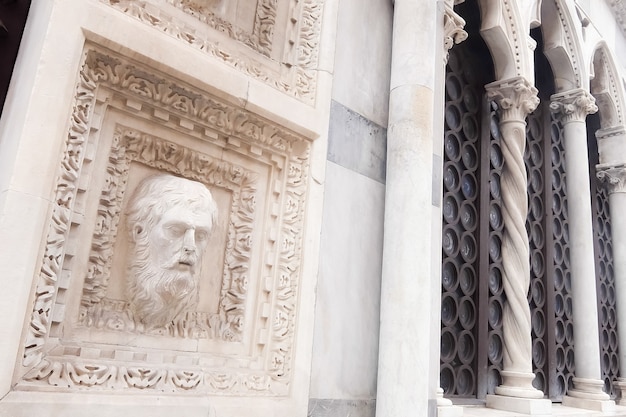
point(175, 231)
point(202, 235)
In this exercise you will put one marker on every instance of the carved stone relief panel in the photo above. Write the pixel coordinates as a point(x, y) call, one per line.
point(275, 41)
point(172, 259)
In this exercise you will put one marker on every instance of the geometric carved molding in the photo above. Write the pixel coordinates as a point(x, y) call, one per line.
point(255, 357)
point(287, 62)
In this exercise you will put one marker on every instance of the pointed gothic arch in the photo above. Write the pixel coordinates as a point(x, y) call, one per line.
point(562, 34)
point(504, 28)
point(607, 88)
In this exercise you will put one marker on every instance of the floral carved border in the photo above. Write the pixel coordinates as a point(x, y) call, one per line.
point(47, 363)
point(130, 145)
point(300, 61)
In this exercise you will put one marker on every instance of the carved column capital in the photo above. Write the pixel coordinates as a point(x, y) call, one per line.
point(615, 177)
point(573, 105)
point(453, 32)
point(516, 97)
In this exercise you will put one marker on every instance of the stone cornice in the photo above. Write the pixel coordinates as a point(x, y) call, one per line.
point(573, 105)
point(610, 132)
point(614, 176)
point(516, 97)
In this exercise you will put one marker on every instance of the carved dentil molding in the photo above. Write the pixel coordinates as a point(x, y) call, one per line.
point(453, 25)
point(516, 97)
point(614, 177)
point(573, 105)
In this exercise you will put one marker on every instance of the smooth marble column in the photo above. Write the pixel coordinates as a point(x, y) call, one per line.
point(516, 98)
point(406, 303)
point(615, 176)
point(573, 107)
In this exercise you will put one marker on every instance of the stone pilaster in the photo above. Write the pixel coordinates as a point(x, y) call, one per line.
point(516, 98)
point(573, 107)
point(615, 178)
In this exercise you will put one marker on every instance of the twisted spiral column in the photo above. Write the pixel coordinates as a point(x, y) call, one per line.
point(516, 98)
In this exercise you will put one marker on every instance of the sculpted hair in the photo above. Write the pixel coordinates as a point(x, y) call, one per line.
point(158, 193)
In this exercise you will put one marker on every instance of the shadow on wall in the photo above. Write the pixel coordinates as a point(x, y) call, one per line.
point(13, 15)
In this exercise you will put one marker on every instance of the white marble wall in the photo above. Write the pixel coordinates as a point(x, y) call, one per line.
point(345, 347)
point(345, 351)
point(363, 57)
point(33, 133)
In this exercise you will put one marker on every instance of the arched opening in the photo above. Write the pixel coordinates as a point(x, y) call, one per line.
point(604, 88)
point(549, 295)
point(471, 322)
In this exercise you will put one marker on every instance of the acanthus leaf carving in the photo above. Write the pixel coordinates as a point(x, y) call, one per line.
point(573, 105)
point(516, 97)
point(614, 177)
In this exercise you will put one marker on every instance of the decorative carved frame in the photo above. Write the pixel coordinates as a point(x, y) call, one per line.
point(297, 68)
point(130, 145)
point(262, 35)
point(48, 364)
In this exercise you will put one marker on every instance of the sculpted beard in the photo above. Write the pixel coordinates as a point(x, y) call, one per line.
point(160, 294)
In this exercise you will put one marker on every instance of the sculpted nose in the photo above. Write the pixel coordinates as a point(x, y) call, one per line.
point(189, 241)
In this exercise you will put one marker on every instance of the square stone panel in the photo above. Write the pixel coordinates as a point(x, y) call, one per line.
point(129, 122)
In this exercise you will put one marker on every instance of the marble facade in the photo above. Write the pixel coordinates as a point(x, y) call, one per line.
point(309, 282)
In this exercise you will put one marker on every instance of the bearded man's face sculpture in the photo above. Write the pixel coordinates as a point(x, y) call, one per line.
point(169, 220)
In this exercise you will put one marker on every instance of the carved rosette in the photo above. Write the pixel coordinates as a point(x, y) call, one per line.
point(614, 177)
point(573, 106)
point(453, 25)
point(516, 98)
point(51, 362)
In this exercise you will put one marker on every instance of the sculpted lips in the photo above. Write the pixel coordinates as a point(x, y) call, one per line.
point(187, 261)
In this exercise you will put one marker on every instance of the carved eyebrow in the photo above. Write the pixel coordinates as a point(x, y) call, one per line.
point(187, 224)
